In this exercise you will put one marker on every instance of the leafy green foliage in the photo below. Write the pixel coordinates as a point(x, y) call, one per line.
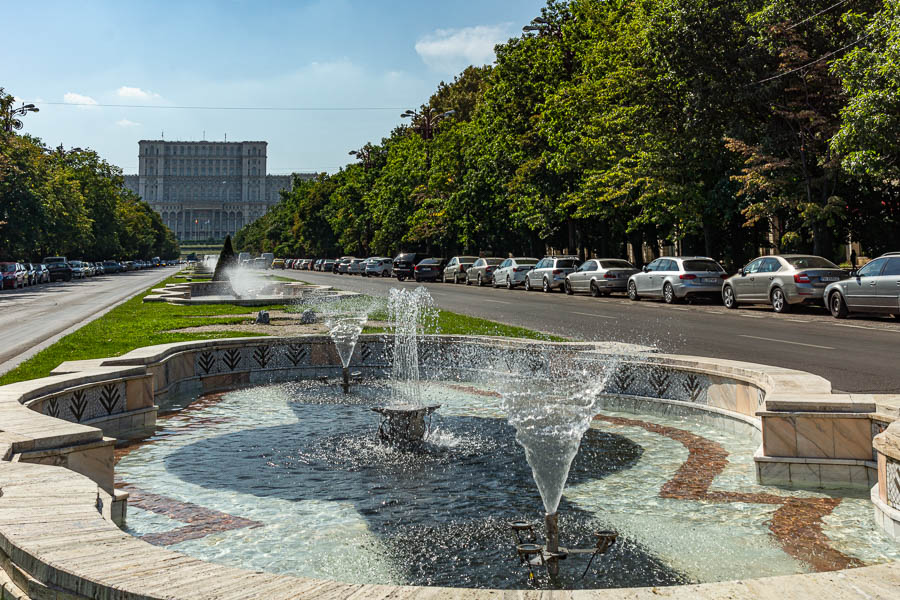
point(714, 127)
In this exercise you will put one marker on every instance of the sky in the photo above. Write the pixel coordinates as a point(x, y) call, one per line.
point(70, 59)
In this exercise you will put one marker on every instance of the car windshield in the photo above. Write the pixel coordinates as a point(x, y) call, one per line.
point(565, 263)
point(429, 261)
point(810, 262)
point(468, 259)
point(9, 268)
point(406, 257)
point(493, 261)
point(526, 261)
point(702, 265)
point(615, 264)
point(75, 263)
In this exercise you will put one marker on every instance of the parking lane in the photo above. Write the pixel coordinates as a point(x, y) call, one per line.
point(858, 358)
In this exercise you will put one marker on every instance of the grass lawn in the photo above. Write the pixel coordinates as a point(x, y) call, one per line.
point(134, 324)
point(128, 326)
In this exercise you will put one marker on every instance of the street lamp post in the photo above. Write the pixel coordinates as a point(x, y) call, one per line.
point(12, 122)
point(425, 123)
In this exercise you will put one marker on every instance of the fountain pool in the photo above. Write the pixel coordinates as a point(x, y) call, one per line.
point(290, 478)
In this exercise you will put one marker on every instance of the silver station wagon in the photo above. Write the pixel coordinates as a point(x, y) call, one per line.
point(875, 288)
point(782, 281)
point(674, 278)
point(600, 276)
point(550, 273)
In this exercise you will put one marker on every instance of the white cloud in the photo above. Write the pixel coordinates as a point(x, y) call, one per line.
point(136, 93)
point(73, 98)
point(452, 50)
point(126, 123)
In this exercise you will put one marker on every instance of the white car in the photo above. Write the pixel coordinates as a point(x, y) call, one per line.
point(600, 276)
point(356, 266)
point(379, 267)
point(512, 271)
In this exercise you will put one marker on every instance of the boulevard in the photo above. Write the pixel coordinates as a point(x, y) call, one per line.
point(854, 355)
point(35, 316)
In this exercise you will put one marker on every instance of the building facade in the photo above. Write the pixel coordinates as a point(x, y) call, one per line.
point(206, 190)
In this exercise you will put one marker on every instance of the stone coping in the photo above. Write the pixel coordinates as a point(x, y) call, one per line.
point(57, 538)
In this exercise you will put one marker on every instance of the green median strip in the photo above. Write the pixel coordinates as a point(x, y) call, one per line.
point(131, 325)
point(134, 324)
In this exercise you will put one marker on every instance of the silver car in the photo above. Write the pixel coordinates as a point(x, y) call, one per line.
point(600, 276)
point(512, 271)
point(782, 281)
point(674, 278)
point(379, 267)
point(550, 273)
point(356, 266)
point(455, 270)
point(482, 271)
point(875, 288)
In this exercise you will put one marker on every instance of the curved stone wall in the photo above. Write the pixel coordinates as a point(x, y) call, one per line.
point(58, 507)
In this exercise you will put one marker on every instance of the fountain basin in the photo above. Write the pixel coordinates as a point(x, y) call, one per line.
point(222, 292)
point(727, 394)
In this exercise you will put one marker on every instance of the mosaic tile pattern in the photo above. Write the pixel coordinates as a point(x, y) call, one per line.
point(892, 482)
point(877, 427)
point(87, 403)
point(251, 358)
point(658, 382)
point(796, 525)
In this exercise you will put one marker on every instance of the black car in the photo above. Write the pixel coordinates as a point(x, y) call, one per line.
point(430, 269)
point(405, 263)
point(59, 270)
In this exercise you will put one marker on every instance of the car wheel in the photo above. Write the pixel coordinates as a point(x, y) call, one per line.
point(779, 302)
point(468, 281)
point(632, 291)
point(569, 290)
point(669, 294)
point(527, 284)
point(595, 291)
point(401, 278)
point(545, 286)
point(456, 278)
point(728, 298)
point(480, 281)
point(509, 284)
point(837, 306)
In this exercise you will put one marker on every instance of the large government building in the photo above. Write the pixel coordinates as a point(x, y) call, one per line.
point(206, 190)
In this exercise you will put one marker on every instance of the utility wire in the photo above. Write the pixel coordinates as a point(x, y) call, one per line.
point(812, 62)
point(265, 108)
point(821, 12)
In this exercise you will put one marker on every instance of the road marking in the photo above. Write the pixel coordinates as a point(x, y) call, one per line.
point(754, 337)
point(593, 315)
point(799, 320)
point(495, 301)
point(678, 308)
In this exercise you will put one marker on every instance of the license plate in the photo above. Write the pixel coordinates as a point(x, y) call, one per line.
point(710, 280)
point(828, 278)
point(425, 269)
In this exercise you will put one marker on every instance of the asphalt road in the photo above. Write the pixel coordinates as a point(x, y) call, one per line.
point(33, 317)
point(859, 354)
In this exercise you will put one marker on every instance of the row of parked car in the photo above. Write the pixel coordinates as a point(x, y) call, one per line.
point(782, 281)
point(58, 268)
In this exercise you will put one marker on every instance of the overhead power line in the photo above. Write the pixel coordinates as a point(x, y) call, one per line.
point(821, 12)
point(812, 62)
point(265, 108)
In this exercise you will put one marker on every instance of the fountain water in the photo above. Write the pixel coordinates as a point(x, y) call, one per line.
point(403, 420)
point(345, 330)
point(550, 412)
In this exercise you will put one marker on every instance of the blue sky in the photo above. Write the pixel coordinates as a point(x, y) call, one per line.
point(327, 53)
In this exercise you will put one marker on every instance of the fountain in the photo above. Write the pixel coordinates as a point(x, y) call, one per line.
point(345, 330)
point(403, 421)
point(551, 410)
